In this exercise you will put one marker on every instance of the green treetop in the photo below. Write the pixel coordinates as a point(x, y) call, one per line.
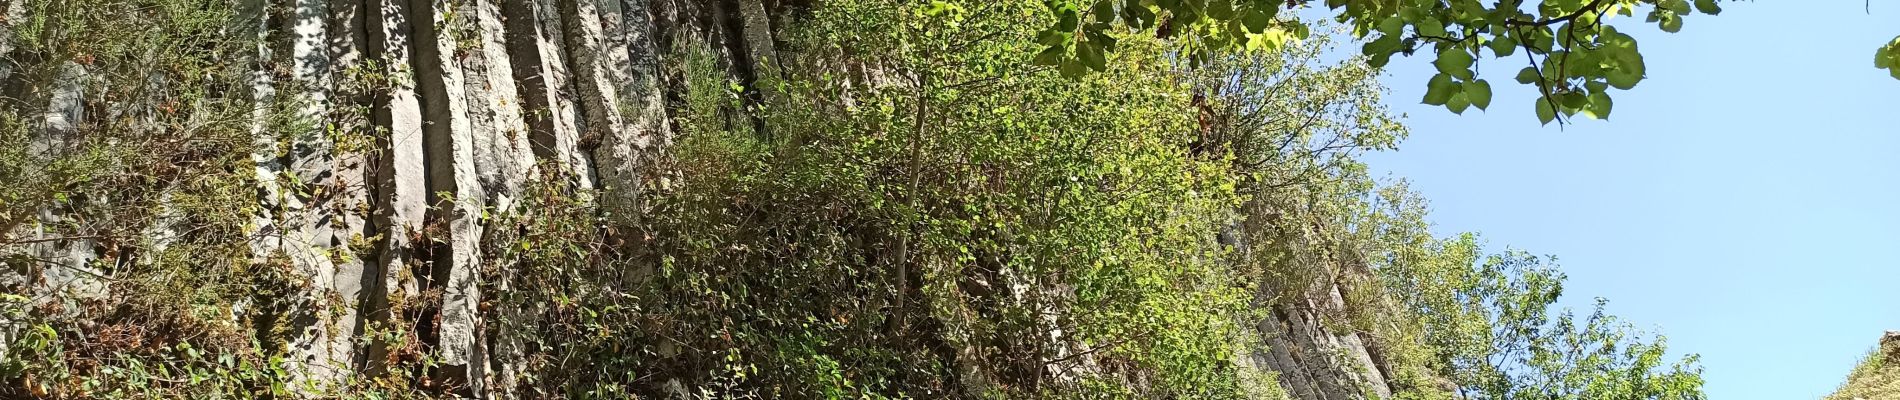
point(1570, 55)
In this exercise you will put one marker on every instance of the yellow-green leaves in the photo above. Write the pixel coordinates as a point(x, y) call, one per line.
point(1888, 57)
point(1457, 96)
point(1597, 105)
point(1455, 86)
point(1668, 13)
point(1528, 75)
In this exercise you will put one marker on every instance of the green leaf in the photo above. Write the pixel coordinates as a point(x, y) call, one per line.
point(1090, 53)
point(1458, 103)
point(1454, 61)
point(1599, 107)
point(1220, 9)
point(1412, 14)
point(1708, 7)
point(1137, 15)
point(1104, 11)
point(1572, 100)
point(1072, 68)
point(1379, 60)
point(1439, 90)
point(1596, 86)
point(1392, 26)
point(1676, 6)
point(1048, 37)
point(1383, 45)
point(1622, 79)
point(1504, 46)
point(1542, 39)
point(1544, 113)
point(1256, 21)
point(1429, 27)
point(1528, 75)
point(1049, 56)
point(1671, 23)
point(1479, 92)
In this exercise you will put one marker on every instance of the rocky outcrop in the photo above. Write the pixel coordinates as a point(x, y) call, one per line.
point(1306, 334)
point(412, 124)
point(1315, 359)
point(466, 102)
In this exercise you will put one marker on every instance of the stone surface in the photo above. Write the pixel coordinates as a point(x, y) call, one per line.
point(535, 47)
point(401, 194)
point(598, 86)
point(448, 137)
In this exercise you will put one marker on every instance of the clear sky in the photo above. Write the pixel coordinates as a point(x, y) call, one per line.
point(1744, 199)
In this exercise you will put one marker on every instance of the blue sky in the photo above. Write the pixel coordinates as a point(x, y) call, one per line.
point(1744, 199)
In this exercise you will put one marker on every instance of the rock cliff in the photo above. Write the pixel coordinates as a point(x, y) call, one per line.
point(410, 121)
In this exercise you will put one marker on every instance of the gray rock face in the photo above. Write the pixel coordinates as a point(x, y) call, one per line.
point(401, 194)
point(1315, 362)
point(1316, 354)
point(469, 102)
point(65, 264)
point(544, 79)
point(449, 139)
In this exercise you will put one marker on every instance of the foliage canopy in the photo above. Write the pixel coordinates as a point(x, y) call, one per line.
point(907, 211)
point(1572, 55)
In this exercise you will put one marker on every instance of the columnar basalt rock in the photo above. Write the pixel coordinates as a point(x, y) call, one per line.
point(634, 63)
point(448, 137)
point(1301, 333)
point(401, 193)
point(412, 122)
point(536, 50)
point(352, 202)
point(503, 160)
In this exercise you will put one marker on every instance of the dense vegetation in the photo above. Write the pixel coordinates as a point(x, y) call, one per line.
point(904, 206)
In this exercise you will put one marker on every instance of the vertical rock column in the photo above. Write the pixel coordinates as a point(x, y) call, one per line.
point(282, 232)
point(401, 194)
point(448, 137)
point(503, 160)
point(318, 223)
point(11, 11)
point(265, 234)
point(352, 204)
point(536, 51)
point(631, 60)
point(598, 89)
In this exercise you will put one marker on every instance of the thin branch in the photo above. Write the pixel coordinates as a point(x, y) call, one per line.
point(53, 239)
point(1565, 18)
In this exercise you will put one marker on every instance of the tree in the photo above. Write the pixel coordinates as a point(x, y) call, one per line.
point(1491, 328)
point(1572, 56)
